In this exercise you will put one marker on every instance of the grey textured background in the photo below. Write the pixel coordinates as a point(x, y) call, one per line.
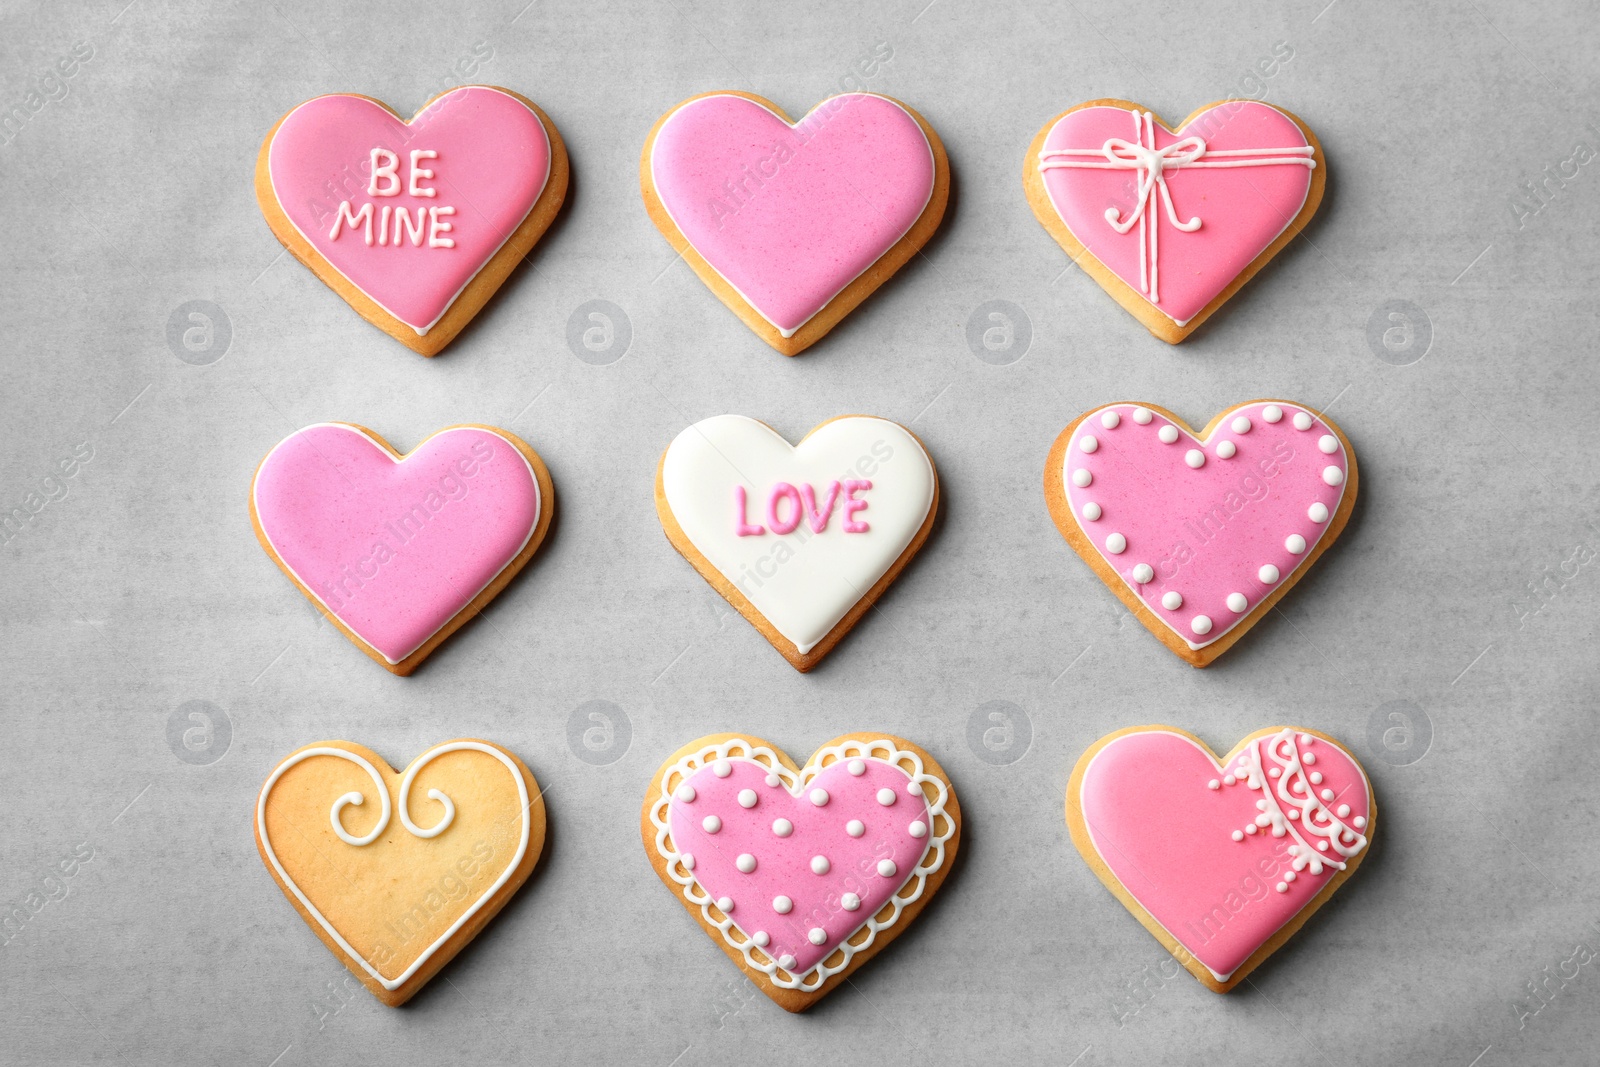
point(1465, 587)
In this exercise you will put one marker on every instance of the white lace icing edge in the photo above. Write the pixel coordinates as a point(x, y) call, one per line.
point(881, 749)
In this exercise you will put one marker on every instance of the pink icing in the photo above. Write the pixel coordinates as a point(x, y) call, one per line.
point(789, 216)
point(741, 509)
point(1205, 532)
point(1242, 209)
point(395, 550)
point(1167, 837)
point(778, 523)
point(852, 505)
point(492, 161)
point(783, 864)
point(819, 517)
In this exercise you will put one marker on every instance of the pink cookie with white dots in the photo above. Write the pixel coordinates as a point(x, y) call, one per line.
point(1222, 859)
point(801, 874)
point(1201, 533)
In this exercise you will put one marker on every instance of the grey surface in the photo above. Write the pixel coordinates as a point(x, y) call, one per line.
point(143, 588)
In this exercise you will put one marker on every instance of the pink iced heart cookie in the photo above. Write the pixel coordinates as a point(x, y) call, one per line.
point(400, 550)
point(794, 224)
point(1169, 223)
point(1221, 859)
point(1200, 534)
point(801, 875)
point(415, 224)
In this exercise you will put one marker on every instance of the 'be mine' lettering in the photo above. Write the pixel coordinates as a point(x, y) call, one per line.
point(397, 225)
point(788, 506)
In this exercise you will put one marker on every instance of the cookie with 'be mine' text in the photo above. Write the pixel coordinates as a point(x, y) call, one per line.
point(801, 874)
point(801, 539)
point(1172, 223)
point(793, 224)
point(399, 551)
point(1222, 859)
point(1201, 533)
point(397, 872)
point(415, 223)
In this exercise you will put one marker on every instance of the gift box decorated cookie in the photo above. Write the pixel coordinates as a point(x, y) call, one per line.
point(415, 223)
point(793, 224)
point(1172, 223)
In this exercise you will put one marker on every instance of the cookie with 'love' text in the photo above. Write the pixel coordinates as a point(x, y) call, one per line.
point(801, 539)
point(801, 874)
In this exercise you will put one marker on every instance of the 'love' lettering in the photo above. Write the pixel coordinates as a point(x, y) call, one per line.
point(788, 506)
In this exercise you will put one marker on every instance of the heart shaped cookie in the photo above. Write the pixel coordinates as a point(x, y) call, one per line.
point(794, 224)
point(1172, 224)
point(401, 550)
point(1221, 859)
point(342, 834)
point(802, 539)
point(1200, 534)
point(801, 874)
point(415, 224)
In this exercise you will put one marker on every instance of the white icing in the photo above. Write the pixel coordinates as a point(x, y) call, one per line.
point(1268, 574)
point(1272, 413)
point(687, 859)
point(802, 582)
point(886, 797)
point(1227, 450)
point(1328, 443)
point(1110, 420)
point(819, 797)
point(722, 768)
point(918, 829)
point(856, 768)
point(1302, 420)
point(1116, 544)
point(1082, 478)
point(725, 904)
point(1172, 600)
point(1295, 544)
point(411, 772)
point(1195, 458)
point(761, 938)
point(685, 793)
point(1332, 475)
point(820, 865)
point(850, 902)
point(1143, 574)
point(855, 828)
point(782, 905)
point(785, 961)
point(1241, 424)
point(747, 798)
point(817, 935)
point(1088, 443)
point(1142, 416)
point(782, 827)
point(1237, 602)
point(746, 863)
point(711, 824)
point(1317, 512)
point(1201, 624)
point(1167, 434)
point(419, 173)
point(1091, 511)
point(887, 869)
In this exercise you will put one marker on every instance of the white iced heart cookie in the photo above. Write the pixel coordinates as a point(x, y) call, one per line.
point(802, 539)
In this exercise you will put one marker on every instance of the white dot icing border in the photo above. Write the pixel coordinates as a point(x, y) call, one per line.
point(882, 749)
point(1093, 418)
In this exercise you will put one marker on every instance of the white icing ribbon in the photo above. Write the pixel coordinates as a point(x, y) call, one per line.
point(1312, 815)
point(1152, 165)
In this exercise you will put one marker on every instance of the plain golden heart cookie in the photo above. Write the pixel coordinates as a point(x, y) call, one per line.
point(397, 872)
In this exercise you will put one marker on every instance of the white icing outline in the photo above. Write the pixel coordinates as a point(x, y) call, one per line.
point(1202, 749)
point(1137, 112)
point(544, 182)
point(768, 759)
point(538, 511)
point(933, 165)
point(1303, 558)
point(411, 773)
